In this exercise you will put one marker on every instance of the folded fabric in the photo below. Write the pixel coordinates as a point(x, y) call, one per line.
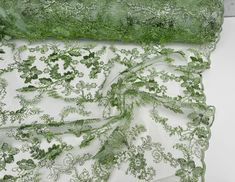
point(78, 112)
point(131, 21)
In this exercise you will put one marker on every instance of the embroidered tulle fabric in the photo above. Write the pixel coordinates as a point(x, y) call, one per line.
point(88, 111)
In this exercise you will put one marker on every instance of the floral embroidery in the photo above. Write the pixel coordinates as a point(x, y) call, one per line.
point(78, 111)
point(7, 154)
point(117, 87)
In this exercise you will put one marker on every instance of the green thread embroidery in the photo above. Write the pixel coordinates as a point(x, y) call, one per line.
point(130, 21)
point(130, 79)
point(79, 111)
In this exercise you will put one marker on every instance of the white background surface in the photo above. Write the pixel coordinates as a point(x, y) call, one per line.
point(219, 82)
point(229, 7)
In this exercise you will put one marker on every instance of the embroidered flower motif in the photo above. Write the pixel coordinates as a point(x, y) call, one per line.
point(188, 171)
point(7, 155)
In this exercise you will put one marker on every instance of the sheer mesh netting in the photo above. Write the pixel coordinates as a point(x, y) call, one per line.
point(90, 111)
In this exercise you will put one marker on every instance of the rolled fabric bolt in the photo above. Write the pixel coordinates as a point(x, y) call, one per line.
point(141, 21)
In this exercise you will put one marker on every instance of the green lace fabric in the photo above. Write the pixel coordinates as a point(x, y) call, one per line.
point(196, 21)
point(90, 111)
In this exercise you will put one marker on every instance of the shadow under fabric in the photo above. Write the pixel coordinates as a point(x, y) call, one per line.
point(131, 108)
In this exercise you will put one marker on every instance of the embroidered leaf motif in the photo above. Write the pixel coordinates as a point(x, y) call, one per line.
point(26, 164)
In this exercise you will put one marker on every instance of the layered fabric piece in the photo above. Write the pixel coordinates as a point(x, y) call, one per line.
point(82, 111)
point(85, 111)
